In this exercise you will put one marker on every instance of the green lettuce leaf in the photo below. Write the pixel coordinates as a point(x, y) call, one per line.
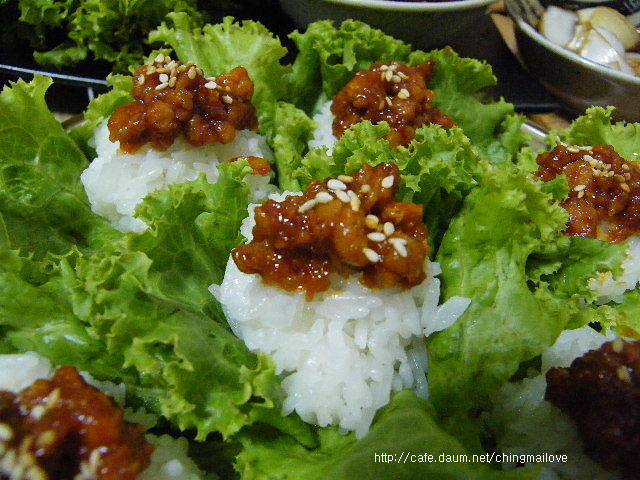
point(484, 256)
point(43, 207)
point(397, 447)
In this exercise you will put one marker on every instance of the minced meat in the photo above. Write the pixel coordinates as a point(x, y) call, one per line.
point(394, 93)
point(172, 99)
point(601, 393)
point(347, 224)
point(64, 429)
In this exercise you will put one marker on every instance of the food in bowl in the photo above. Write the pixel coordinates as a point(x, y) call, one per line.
point(600, 34)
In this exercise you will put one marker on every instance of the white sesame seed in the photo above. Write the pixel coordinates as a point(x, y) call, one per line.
point(387, 182)
point(371, 221)
point(402, 75)
point(159, 58)
point(37, 412)
point(371, 255)
point(345, 178)
point(150, 69)
point(376, 236)
point(585, 148)
point(227, 99)
point(388, 100)
point(623, 374)
point(342, 196)
point(388, 228)
point(323, 197)
point(162, 86)
point(163, 77)
point(191, 73)
point(181, 68)
point(626, 167)
point(404, 94)
point(399, 246)
point(578, 188)
point(140, 79)
point(53, 398)
point(396, 79)
point(581, 194)
point(335, 184)
point(355, 203)
point(384, 67)
point(573, 149)
point(308, 205)
point(388, 75)
point(610, 173)
point(366, 188)
point(627, 176)
point(6, 432)
point(617, 345)
point(393, 67)
point(211, 85)
point(172, 81)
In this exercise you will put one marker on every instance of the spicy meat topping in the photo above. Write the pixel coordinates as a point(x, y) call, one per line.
point(64, 429)
point(347, 224)
point(604, 190)
point(394, 93)
point(601, 393)
point(172, 99)
point(259, 165)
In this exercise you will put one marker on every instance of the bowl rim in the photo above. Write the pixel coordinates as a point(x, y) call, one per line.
point(425, 6)
point(528, 29)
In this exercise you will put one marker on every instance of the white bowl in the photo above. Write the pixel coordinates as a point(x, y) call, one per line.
point(425, 25)
point(577, 82)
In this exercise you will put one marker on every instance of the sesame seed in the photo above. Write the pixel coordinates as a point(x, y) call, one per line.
point(172, 81)
point(162, 86)
point(308, 205)
point(323, 197)
point(53, 398)
point(393, 67)
point(623, 374)
point(376, 236)
point(619, 177)
point(581, 194)
point(150, 69)
point(181, 68)
point(211, 85)
point(388, 228)
point(578, 188)
point(617, 345)
point(163, 77)
point(371, 255)
point(345, 178)
point(404, 94)
point(172, 64)
point(402, 75)
point(371, 221)
point(6, 432)
point(399, 246)
point(384, 67)
point(388, 100)
point(335, 184)
point(227, 99)
point(366, 188)
point(573, 149)
point(46, 438)
point(610, 173)
point(388, 75)
point(396, 79)
point(625, 187)
point(342, 196)
point(585, 148)
point(387, 182)
point(37, 412)
point(355, 203)
point(159, 58)
point(191, 73)
point(626, 167)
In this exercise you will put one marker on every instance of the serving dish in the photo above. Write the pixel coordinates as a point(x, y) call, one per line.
point(577, 82)
point(426, 25)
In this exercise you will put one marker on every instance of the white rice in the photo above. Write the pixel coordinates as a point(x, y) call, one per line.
point(169, 460)
point(342, 354)
point(323, 134)
point(527, 424)
point(116, 182)
point(612, 290)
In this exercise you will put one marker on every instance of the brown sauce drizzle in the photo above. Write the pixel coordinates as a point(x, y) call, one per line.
point(344, 225)
point(172, 99)
point(394, 93)
point(64, 429)
point(604, 190)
